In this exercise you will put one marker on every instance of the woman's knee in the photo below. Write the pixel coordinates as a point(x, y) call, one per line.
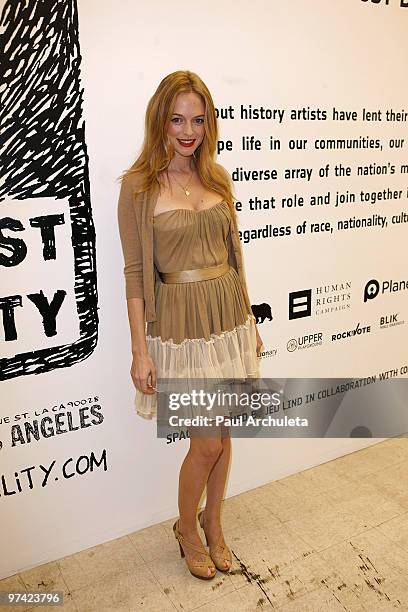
point(208, 450)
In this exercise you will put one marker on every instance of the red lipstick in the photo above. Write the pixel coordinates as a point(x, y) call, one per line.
point(186, 144)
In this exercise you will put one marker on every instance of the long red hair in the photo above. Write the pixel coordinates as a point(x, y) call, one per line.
point(155, 157)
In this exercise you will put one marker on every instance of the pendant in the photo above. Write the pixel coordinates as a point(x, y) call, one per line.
point(186, 191)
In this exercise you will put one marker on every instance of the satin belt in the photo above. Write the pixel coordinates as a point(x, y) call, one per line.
point(199, 274)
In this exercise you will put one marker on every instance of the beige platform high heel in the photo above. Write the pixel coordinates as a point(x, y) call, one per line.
point(197, 568)
point(220, 553)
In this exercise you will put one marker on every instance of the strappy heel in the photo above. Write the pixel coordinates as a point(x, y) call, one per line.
point(220, 553)
point(197, 568)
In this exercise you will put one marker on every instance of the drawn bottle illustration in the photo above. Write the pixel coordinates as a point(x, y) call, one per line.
point(48, 283)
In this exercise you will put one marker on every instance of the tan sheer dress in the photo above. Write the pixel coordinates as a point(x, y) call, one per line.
point(203, 328)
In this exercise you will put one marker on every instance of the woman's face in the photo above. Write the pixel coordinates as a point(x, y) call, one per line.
point(186, 128)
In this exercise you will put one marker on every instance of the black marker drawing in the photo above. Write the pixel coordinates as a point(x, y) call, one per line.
point(44, 155)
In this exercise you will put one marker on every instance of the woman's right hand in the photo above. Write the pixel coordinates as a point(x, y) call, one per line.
point(143, 373)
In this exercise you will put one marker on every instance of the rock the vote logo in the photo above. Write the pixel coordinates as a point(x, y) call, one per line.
point(48, 290)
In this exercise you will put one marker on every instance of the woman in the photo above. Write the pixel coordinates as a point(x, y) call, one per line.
point(176, 214)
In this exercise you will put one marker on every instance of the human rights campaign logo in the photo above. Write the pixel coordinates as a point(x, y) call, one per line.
point(300, 304)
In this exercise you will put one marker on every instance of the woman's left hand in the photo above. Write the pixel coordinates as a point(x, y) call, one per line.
point(259, 343)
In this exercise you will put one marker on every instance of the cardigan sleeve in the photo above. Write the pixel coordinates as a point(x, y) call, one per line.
point(131, 241)
point(233, 262)
point(231, 251)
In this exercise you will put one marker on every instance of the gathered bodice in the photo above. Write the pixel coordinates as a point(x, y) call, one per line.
point(185, 239)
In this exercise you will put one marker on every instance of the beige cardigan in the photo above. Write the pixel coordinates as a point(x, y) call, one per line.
point(135, 219)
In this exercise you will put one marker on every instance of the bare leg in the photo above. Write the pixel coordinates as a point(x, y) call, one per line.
point(215, 492)
point(197, 465)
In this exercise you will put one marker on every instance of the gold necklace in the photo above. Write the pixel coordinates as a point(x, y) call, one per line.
point(186, 191)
